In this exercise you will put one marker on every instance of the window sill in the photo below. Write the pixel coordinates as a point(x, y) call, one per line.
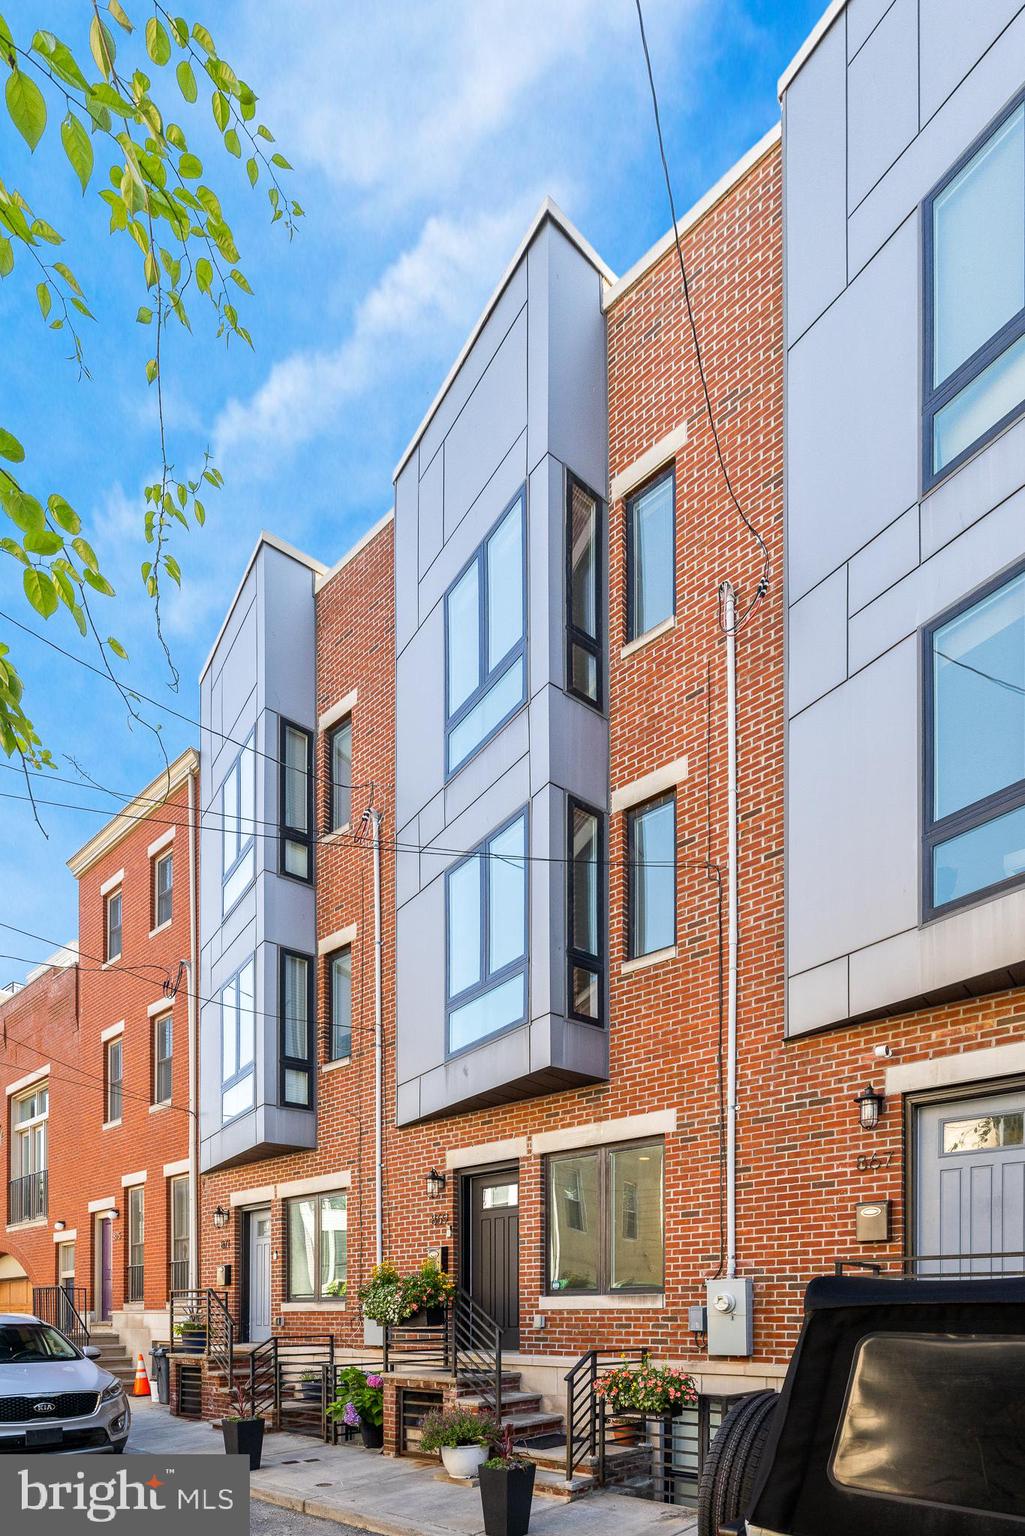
point(329, 1304)
point(155, 1109)
point(27, 1226)
point(110, 1125)
point(332, 1066)
point(627, 1301)
point(336, 833)
point(160, 927)
point(642, 962)
point(112, 961)
point(633, 646)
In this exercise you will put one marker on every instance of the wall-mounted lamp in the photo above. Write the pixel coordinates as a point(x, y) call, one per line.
point(435, 1182)
point(221, 1218)
point(111, 1213)
point(59, 1226)
point(870, 1106)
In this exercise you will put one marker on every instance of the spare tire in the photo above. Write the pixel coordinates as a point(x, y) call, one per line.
point(730, 1472)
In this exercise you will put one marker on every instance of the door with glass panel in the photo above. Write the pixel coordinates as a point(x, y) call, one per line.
point(969, 1185)
point(257, 1277)
point(493, 1268)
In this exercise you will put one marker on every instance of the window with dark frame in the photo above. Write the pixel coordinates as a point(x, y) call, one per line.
point(339, 986)
point(651, 555)
point(114, 1078)
point(974, 283)
point(112, 926)
point(605, 1220)
point(317, 1238)
point(163, 888)
point(296, 993)
point(163, 1058)
point(651, 877)
point(585, 951)
point(486, 937)
point(339, 752)
point(974, 772)
point(584, 587)
point(296, 810)
point(486, 638)
point(238, 825)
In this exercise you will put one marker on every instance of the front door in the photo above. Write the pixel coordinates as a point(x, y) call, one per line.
point(970, 1184)
point(104, 1282)
point(258, 1276)
point(493, 1267)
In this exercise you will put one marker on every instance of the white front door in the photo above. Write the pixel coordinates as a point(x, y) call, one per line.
point(258, 1277)
point(970, 1185)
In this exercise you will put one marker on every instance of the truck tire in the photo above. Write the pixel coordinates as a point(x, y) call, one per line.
point(731, 1467)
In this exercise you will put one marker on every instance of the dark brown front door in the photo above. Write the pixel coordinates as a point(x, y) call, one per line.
point(494, 1270)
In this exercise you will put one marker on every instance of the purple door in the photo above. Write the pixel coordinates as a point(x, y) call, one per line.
point(106, 1275)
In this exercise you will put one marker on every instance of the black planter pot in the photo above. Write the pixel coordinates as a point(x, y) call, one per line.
point(193, 1342)
point(372, 1435)
point(244, 1437)
point(311, 1391)
point(427, 1317)
point(505, 1496)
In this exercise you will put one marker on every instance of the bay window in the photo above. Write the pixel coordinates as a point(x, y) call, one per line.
point(238, 834)
point(585, 951)
point(584, 525)
point(238, 1043)
point(606, 1220)
point(486, 936)
point(296, 992)
point(317, 1247)
point(296, 801)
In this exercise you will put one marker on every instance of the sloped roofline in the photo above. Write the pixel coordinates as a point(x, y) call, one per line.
point(811, 42)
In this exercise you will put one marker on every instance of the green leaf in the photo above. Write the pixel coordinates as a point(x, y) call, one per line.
point(101, 46)
point(277, 159)
point(10, 448)
point(175, 136)
point(14, 549)
point(151, 271)
point(6, 37)
point(117, 648)
point(6, 257)
point(85, 552)
point(68, 276)
point(253, 171)
point(173, 569)
point(187, 81)
point(98, 583)
point(190, 167)
point(158, 44)
point(60, 59)
point(232, 144)
point(78, 148)
point(204, 274)
point(144, 316)
point(263, 132)
point(209, 200)
point(200, 511)
point(26, 105)
point(25, 511)
point(46, 232)
point(221, 109)
point(241, 280)
point(151, 370)
point(180, 28)
point(119, 15)
point(40, 591)
point(43, 296)
point(44, 542)
point(66, 517)
point(204, 39)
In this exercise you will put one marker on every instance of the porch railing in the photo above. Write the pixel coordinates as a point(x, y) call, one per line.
point(179, 1274)
point(476, 1350)
point(264, 1382)
point(582, 1432)
point(63, 1307)
point(136, 1285)
point(26, 1197)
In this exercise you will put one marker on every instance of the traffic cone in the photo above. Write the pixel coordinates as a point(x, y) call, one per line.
point(141, 1387)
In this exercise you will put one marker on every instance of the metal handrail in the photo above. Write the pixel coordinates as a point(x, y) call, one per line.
point(265, 1381)
point(57, 1305)
point(476, 1349)
point(581, 1406)
point(220, 1336)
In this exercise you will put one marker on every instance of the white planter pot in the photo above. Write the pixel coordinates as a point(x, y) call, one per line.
point(463, 1460)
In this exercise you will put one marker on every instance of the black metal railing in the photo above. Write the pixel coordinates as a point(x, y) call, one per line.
point(135, 1288)
point(201, 1325)
point(26, 1197)
point(63, 1307)
point(332, 1372)
point(301, 1364)
point(220, 1338)
point(179, 1274)
point(264, 1383)
point(582, 1405)
point(476, 1350)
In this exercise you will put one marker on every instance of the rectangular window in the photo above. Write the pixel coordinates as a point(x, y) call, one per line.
point(27, 1196)
point(238, 1043)
point(486, 922)
point(339, 1044)
point(974, 252)
point(651, 871)
point(974, 837)
point(584, 525)
point(179, 1201)
point(66, 1266)
point(606, 1221)
point(585, 952)
point(651, 555)
point(112, 927)
point(296, 801)
point(238, 834)
point(114, 1078)
point(136, 1241)
point(340, 761)
point(296, 988)
point(163, 1044)
point(317, 1248)
point(163, 888)
point(485, 639)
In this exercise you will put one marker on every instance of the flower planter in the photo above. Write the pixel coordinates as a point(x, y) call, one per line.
point(372, 1435)
point(193, 1342)
point(311, 1391)
point(427, 1317)
point(244, 1437)
point(463, 1461)
point(505, 1496)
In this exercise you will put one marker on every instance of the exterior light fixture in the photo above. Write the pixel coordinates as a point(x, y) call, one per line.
point(59, 1226)
point(870, 1106)
point(435, 1182)
point(111, 1213)
point(221, 1218)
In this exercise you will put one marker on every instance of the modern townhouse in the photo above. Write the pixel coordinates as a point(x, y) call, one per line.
point(904, 143)
point(99, 1071)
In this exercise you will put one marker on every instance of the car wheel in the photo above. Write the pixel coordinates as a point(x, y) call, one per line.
point(732, 1462)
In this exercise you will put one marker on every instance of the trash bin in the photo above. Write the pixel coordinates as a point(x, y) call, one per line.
point(160, 1374)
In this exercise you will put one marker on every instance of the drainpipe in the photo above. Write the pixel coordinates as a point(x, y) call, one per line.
point(728, 599)
point(374, 817)
point(192, 1041)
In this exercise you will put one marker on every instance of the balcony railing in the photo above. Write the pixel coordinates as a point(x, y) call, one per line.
point(179, 1274)
point(26, 1197)
point(135, 1283)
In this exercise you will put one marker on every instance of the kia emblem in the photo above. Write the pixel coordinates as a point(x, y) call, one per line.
point(45, 1408)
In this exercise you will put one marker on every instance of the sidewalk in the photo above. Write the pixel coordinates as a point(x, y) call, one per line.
point(394, 1496)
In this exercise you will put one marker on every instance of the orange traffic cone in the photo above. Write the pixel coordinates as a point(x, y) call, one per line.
point(141, 1387)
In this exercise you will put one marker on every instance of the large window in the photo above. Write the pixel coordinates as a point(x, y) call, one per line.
point(485, 639)
point(114, 1079)
point(339, 977)
point(974, 251)
point(486, 918)
point(317, 1248)
point(296, 991)
point(238, 809)
point(651, 556)
point(112, 927)
point(651, 882)
point(975, 746)
point(583, 592)
point(238, 1043)
point(586, 949)
point(163, 1058)
point(163, 888)
point(296, 801)
point(606, 1221)
point(339, 751)
point(27, 1194)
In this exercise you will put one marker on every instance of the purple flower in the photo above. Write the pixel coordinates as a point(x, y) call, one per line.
point(375, 1381)
point(350, 1416)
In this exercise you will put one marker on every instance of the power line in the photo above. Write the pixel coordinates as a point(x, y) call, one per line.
point(763, 585)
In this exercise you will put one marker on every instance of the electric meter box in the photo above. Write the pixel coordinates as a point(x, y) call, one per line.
point(730, 1316)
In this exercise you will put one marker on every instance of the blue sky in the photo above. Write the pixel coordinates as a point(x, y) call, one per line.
point(423, 136)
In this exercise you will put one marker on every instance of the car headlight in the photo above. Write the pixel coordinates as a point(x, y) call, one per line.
point(109, 1394)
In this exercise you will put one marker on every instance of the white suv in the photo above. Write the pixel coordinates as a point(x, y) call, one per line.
point(53, 1397)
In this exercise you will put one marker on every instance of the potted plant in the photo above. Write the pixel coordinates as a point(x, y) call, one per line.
point(381, 1297)
point(462, 1438)
point(646, 1389)
point(336, 1288)
point(360, 1405)
point(191, 1335)
point(243, 1433)
point(506, 1489)
point(311, 1386)
point(426, 1294)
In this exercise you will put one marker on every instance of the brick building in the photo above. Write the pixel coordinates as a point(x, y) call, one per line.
point(96, 1067)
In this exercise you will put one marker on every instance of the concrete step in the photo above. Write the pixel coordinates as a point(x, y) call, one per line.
point(553, 1485)
point(514, 1402)
point(526, 1425)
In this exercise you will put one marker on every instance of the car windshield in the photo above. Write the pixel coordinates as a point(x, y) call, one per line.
point(29, 1343)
